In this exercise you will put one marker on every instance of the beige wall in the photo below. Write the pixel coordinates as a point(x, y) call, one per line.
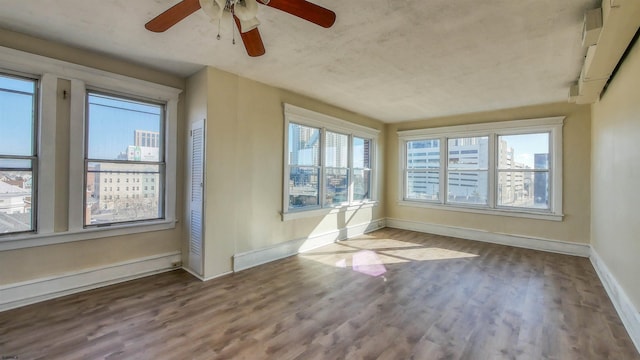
point(244, 159)
point(615, 176)
point(576, 146)
point(38, 262)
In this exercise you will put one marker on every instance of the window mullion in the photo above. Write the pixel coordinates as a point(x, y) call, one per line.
point(492, 171)
point(444, 168)
point(350, 169)
point(323, 175)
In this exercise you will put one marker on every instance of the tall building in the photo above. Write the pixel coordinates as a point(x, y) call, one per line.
point(122, 187)
point(146, 138)
point(540, 181)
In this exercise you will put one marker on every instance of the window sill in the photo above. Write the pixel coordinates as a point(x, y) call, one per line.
point(300, 214)
point(42, 239)
point(476, 210)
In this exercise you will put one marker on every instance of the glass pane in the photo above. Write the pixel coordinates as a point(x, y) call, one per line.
point(469, 187)
point(423, 185)
point(123, 129)
point(336, 150)
point(304, 145)
point(337, 186)
point(469, 153)
point(525, 189)
point(119, 192)
point(14, 164)
point(304, 187)
point(17, 112)
point(361, 153)
point(361, 184)
point(528, 151)
point(423, 154)
point(16, 196)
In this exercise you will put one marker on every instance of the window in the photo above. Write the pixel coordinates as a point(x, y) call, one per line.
point(508, 168)
point(361, 168)
point(18, 154)
point(328, 162)
point(111, 150)
point(467, 176)
point(336, 169)
point(422, 171)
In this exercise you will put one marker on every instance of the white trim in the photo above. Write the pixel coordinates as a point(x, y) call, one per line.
point(292, 215)
point(551, 125)
point(25, 62)
point(307, 117)
point(31, 240)
point(171, 159)
point(520, 213)
point(202, 278)
point(629, 315)
point(498, 127)
point(76, 158)
point(249, 259)
point(50, 70)
point(32, 291)
point(522, 241)
point(326, 123)
point(45, 198)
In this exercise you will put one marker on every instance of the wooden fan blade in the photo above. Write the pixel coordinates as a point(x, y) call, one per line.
point(252, 40)
point(304, 10)
point(173, 15)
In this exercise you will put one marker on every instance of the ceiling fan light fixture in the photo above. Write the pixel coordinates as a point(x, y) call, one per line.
point(213, 8)
point(246, 11)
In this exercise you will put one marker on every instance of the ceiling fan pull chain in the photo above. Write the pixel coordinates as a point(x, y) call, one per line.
point(218, 37)
point(233, 32)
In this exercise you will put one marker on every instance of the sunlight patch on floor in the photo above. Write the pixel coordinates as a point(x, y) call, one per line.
point(370, 256)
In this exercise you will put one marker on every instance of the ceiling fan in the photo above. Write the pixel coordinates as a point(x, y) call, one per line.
point(244, 15)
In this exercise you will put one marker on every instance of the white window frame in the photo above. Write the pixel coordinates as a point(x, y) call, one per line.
point(161, 163)
point(297, 115)
point(551, 125)
point(49, 71)
point(34, 158)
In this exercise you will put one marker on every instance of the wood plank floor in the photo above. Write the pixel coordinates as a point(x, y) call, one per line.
point(391, 294)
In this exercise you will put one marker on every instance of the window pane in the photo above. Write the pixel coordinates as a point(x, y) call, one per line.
point(469, 153)
point(304, 187)
point(14, 164)
point(423, 185)
point(361, 184)
point(468, 187)
point(16, 196)
point(304, 145)
point(423, 154)
point(361, 153)
point(526, 189)
point(336, 150)
point(336, 186)
point(134, 192)
point(17, 114)
point(123, 129)
point(527, 151)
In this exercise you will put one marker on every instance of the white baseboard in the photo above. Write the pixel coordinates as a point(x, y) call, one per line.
point(32, 291)
point(249, 259)
point(522, 241)
point(629, 315)
point(203, 278)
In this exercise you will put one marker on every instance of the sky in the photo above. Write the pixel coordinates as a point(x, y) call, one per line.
point(525, 146)
point(16, 116)
point(111, 128)
point(112, 123)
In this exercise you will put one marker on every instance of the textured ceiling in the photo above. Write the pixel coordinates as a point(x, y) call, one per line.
point(393, 60)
